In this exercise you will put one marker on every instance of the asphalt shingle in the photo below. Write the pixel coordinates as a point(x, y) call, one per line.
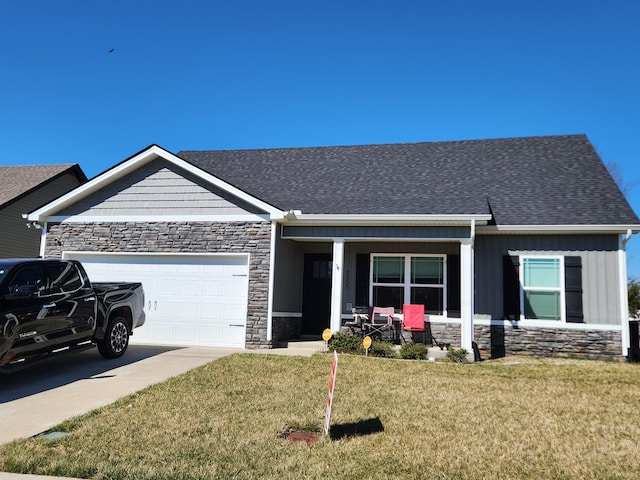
point(18, 180)
point(555, 180)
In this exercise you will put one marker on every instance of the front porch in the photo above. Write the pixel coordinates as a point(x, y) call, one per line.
point(320, 278)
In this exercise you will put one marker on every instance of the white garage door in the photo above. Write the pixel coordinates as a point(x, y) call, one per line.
point(190, 299)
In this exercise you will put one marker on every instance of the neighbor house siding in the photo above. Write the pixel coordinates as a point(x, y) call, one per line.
point(159, 188)
point(599, 254)
point(252, 238)
point(18, 241)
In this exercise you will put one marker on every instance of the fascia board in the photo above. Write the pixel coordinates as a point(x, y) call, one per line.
point(346, 219)
point(133, 163)
point(556, 229)
point(158, 218)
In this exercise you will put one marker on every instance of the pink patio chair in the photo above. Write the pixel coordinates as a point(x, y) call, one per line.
point(380, 322)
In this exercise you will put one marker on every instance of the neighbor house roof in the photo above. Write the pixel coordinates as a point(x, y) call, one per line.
point(18, 181)
point(554, 180)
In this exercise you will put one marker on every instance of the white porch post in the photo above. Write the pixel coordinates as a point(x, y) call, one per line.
point(466, 294)
point(336, 284)
point(43, 240)
point(272, 264)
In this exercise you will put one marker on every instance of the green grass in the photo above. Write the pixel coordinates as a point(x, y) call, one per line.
point(530, 419)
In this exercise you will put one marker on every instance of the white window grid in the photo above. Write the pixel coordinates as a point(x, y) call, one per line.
point(560, 288)
point(407, 284)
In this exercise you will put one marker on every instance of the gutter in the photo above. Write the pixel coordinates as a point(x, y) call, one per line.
point(297, 217)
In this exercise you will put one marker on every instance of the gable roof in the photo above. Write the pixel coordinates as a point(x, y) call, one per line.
point(18, 181)
point(131, 164)
point(554, 180)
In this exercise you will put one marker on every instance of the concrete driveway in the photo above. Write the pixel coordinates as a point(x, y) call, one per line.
point(37, 398)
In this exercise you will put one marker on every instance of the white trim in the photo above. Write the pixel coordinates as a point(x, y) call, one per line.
point(290, 315)
point(66, 253)
point(148, 155)
point(158, 218)
point(556, 229)
point(336, 284)
point(560, 288)
point(623, 298)
point(272, 262)
point(547, 324)
point(359, 219)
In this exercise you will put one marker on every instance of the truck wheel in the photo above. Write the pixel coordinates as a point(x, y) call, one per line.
point(116, 339)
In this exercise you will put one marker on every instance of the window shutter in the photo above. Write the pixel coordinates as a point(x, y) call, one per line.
point(362, 280)
point(511, 287)
point(573, 289)
point(453, 285)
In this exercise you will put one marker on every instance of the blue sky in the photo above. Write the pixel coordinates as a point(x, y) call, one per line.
point(256, 74)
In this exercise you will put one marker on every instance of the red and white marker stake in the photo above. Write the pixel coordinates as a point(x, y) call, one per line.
point(332, 383)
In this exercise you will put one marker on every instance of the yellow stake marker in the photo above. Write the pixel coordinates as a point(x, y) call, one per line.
point(326, 336)
point(366, 343)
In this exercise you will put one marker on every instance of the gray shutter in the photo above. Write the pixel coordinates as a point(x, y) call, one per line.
point(362, 280)
point(573, 289)
point(511, 287)
point(453, 286)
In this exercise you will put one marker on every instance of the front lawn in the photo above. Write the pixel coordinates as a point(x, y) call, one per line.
point(523, 419)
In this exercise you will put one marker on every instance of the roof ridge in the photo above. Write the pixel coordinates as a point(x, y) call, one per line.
point(392, 144)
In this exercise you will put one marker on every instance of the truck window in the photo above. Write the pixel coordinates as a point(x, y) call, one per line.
point(29, 279)
point(64, 277)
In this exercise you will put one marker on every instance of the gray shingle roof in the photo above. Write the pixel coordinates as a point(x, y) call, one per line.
point(19, 180)
point(556, 180)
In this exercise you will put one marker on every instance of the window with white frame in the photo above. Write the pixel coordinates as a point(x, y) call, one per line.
point(417, 279)
point(542, 293)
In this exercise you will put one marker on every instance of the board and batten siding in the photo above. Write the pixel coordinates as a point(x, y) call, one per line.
point(371, 232)
point(18, 241)
point(159, 188)
point(289, 271)
point(599, 254)
point(290, 261)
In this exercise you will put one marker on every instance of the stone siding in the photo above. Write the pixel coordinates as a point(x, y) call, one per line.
point(497, 341)
point(253, 238)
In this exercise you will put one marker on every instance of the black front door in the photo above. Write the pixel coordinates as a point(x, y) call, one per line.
point(316, 293)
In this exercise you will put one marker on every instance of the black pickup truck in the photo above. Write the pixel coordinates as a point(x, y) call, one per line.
point(50, 306)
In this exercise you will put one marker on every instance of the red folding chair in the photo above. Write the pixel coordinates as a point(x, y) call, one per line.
point(414, 320)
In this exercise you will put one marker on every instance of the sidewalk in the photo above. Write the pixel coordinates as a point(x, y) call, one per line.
point(86, 393)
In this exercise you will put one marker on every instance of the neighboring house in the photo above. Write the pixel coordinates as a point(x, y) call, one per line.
point(514, 245)
point(25, 188)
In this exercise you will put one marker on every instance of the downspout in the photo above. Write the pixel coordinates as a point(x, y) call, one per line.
point(624, 301)
point(472, 233)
